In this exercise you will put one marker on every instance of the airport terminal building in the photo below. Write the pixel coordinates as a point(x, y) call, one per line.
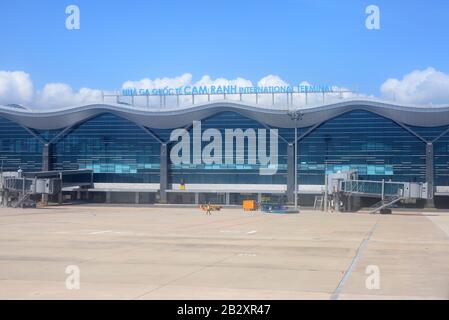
point(129, 149)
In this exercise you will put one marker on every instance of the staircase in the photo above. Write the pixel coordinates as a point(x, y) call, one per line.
point(318, 204)
point(384, 204)
point(22, 199)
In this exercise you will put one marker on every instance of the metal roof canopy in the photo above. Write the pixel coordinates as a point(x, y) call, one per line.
point(170, 118)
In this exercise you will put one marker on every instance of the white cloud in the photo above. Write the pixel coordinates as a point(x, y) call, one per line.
point(15, 87)
point(418, 87)
point(208, 81)
point(271, 80)
point(158, 83)
point(58, 95)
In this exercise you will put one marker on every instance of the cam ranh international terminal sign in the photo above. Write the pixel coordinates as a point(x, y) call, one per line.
point(227, 89)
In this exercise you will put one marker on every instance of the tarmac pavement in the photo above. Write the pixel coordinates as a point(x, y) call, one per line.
point(181, 253)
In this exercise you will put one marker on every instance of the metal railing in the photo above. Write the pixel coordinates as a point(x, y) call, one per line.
point(32, 185)
point(18, 184)
point(176, 100)
point(384, 204)
point(373, 188)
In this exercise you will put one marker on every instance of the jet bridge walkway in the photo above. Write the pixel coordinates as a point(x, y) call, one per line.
point(343, 186)
point(17, 188)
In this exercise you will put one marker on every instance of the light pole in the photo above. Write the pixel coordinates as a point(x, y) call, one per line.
point(327, 140)
point(296, 116)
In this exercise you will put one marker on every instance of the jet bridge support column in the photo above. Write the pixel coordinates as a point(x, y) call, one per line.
point(163, 173)
point(290, 173)
point(46, 166)
point(430, 203)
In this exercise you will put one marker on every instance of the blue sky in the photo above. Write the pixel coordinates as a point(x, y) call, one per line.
point(320, 41)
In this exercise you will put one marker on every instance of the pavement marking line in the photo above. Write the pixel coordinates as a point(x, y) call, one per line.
point(438, 225)
point(238, 231)
point(100, 232)
point(335, 295)
point(201, 268)
point(247, 254)
point(230, 231)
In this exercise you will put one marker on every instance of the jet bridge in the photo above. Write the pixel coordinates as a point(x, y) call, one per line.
point(18, 188)
point(343, 187)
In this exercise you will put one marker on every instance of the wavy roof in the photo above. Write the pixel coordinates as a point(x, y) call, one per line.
point(175, 118)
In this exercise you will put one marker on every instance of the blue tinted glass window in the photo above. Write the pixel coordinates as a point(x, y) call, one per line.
point(231, 173)
point(18, 148)
point(115, 148)
point(359, 140)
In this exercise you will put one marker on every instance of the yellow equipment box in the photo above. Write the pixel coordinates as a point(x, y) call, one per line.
point(249, 205)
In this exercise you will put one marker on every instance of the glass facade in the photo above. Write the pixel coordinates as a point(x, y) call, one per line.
point(114, 148)
point(118, 150)
point(440, 150)
point(441, 162)
point(230, 173)
point(376, 147)
point(18, 148)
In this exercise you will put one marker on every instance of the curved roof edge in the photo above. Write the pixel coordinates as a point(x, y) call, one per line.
point(175, 118)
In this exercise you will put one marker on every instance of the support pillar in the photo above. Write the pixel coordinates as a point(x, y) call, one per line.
point(337, 202)
point(46, 166)
point(60, 200)
point(136, 198)
point(290, 172)
point(163, 173)
point(46, 157)
point(108, 197)
point(228, 199)
point(197, 198)
point(5, 198)
point(430, 203)
point(348, 200)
